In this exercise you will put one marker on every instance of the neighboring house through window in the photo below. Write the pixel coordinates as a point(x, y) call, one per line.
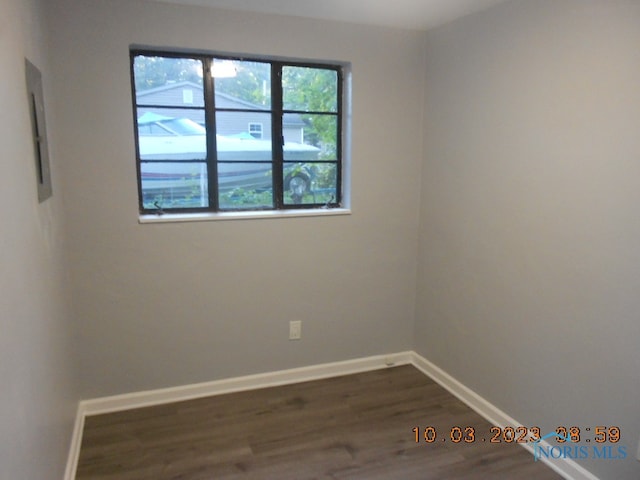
point(187, 96)
point(218, 133)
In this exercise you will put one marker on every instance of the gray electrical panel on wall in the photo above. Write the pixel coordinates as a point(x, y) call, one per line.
point(39, 128)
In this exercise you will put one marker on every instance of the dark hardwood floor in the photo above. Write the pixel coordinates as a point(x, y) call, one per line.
point(354, 427)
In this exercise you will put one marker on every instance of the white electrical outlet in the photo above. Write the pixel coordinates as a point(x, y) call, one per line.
point(295, 330)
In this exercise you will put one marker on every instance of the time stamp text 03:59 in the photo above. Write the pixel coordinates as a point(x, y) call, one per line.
point(494, 434)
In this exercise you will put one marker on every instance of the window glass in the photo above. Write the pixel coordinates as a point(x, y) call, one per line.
point(319, 142)
point(235, 142)
point(167, 185)
point(245, 185)
point(309, 89)
point(162, 80)
point(161, 137)
point(255, 130)
point(240, 84)
point(219, 133)
point(310, 183)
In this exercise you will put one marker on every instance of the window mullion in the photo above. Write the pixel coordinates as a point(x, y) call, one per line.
point(339, 139)
point(277, 139)
point(210, 123)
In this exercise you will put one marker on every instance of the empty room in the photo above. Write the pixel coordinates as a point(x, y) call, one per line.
point(320, 239)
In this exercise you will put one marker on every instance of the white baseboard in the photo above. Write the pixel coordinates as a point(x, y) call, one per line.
point(238, 384)
point(74, 449)
point(565, 467)
point(568, 468)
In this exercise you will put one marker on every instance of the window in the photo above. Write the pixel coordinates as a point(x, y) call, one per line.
point(255, 130)
point(187, 96)
point(255, 134)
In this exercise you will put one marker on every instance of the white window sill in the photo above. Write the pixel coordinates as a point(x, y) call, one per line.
point(209, 217)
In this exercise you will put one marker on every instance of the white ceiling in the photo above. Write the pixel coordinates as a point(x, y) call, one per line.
point(413, 14)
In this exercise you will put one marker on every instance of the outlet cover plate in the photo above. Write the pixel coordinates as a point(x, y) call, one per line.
point(295, 330)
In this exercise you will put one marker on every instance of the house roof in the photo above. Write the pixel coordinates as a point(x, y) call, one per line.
point(167, 86)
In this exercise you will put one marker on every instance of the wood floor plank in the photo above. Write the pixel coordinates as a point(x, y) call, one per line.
point(353, 427)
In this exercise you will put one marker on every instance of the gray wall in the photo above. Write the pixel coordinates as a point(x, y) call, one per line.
point(529, 229)
point(38, 381)
point(173, 304)
point(525, 232)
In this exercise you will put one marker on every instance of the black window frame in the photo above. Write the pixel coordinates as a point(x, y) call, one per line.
point(277, 113)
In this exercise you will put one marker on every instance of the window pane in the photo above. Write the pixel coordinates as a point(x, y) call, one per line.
point(169, 118)
point(235, 142)
point(171, 137)
point(320, 135)
point(168, 81)
point(310, 183)
point(247, 175)
point(310, 89)
point(174, 185)
point(239, 149)
point(242, 85)
point(245, 185)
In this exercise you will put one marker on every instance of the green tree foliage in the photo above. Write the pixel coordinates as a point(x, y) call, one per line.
point(251, 83)
point(304, 90)
point(313, 90)
point(309, 89)
point(152, 72)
